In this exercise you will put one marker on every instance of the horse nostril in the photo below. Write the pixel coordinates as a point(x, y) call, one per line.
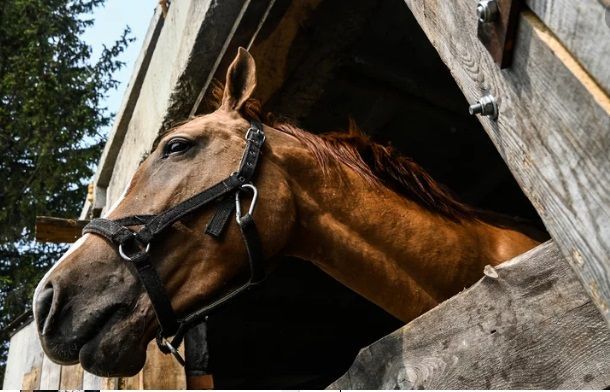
point(44, 303)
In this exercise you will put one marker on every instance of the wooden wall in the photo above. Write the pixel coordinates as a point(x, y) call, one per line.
point(25, 359)
point(178, 53)
point(528, 324)
point(532, 322)
point(554, 125)
point(552, 130)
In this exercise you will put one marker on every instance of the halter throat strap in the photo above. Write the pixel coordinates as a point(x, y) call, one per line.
point(134, 246)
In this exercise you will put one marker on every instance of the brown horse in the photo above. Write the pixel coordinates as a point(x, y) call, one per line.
point(375, 222)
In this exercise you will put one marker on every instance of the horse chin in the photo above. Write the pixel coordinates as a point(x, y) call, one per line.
point(116, 351)
point(106, 359)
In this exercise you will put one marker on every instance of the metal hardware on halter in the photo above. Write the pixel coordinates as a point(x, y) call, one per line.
point(124, 256)
point(258, 132)
point(238, 215)
point(162, 342)
point(117, 232)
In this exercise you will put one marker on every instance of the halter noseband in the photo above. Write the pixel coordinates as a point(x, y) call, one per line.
point(133, 246)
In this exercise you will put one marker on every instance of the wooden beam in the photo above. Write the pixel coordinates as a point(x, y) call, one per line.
point(24, 356)
point(552, 130)
point(58, 230)
point(71, 377)
point(192, 38)
point(51, 373)
point(120, 126)
point(584, 29)
point(31, 380)
point(528, 324)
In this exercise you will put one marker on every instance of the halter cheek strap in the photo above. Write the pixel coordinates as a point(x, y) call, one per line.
point(134, 246)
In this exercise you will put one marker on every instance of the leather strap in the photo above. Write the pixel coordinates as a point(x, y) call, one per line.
point(151, 281)
point(133, 246)
point(221, 218)
point(254, 248)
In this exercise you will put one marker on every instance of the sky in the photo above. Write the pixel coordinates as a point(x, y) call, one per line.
point(110, 21)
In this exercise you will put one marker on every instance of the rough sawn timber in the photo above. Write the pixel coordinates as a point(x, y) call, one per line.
point(581, 27)
point(528, 324)
point(58, 230)
point(553, 131)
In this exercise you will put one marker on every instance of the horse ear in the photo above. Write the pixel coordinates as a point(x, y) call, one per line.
point(241, 81)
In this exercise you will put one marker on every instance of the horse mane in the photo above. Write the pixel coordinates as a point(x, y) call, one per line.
point(376, 163)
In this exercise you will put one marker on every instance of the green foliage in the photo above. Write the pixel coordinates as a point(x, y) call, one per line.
point(51, 116)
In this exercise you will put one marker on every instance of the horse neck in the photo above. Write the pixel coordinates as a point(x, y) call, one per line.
point(385, 247)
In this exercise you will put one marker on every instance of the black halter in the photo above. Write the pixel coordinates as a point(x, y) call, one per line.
point(133, 246)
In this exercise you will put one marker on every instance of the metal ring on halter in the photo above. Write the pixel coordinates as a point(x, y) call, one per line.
point(162, 341)
point(238, 214)
point(250, 130)
point(125, 257)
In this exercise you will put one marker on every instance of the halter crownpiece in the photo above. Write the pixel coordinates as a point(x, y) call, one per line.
point(134, 246)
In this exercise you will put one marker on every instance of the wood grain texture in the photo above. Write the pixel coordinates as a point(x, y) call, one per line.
point(119, 128)
point(581, 26)
point(192, 38)
point(50, 374)
point(527, 325)
point(162, 371)
point(92, 382)
point(31, 380)
point(553, 130)
point(131, 383)
point(24, 355)
point(58, 230)
point(71, 377)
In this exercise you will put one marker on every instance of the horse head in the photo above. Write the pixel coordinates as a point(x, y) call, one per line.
point(374, 221)
point(92, 308)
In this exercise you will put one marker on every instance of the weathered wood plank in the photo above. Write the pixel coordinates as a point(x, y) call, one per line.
point(92, 382)
point(192, 38)
point(245, 27)
point(58, 230)
point(131, 383)
point(110, 383)
point(119, 129)
point(528, 324)
point(553, 130)
point(31, 380)
point(50, 374)
point(162, 371)
point(71, 377)
point(24, 355)
point(584, 30)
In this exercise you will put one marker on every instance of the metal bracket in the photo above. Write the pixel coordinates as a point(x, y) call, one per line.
point(497, 27)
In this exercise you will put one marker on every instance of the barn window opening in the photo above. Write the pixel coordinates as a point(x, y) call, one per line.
point(321, 62)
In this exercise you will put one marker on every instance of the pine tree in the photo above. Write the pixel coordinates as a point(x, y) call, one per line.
point(51, 122)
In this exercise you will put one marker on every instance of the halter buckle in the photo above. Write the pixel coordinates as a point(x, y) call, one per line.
point(257, 131)
point(238, 215)
point(135, 238)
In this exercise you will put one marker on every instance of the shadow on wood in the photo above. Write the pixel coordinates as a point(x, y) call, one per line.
point(528, 324)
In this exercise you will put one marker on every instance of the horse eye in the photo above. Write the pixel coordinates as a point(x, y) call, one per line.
point(176, 146)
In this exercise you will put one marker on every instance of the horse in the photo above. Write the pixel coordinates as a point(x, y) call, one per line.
point(373, 220)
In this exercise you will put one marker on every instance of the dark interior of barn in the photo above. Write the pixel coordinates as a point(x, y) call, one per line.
point(368, 60)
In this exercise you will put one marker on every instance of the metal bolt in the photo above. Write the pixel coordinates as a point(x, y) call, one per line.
point(486, 106)
point(487, 11)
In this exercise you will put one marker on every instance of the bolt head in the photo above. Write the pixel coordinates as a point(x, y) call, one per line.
point(486, 106)
point(487, 11)
point(480, 11)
